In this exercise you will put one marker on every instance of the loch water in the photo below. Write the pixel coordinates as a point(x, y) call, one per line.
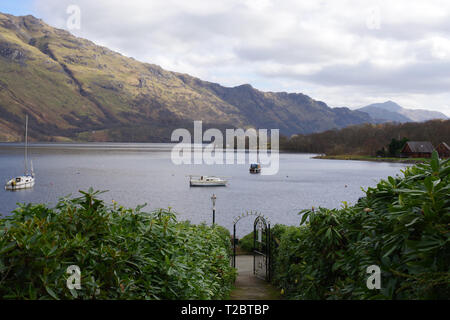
point(142, 173)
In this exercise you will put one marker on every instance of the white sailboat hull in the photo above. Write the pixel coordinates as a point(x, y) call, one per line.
point(27, 180)
point(25, 183)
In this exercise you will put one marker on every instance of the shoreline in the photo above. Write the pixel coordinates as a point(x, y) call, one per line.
point(371, 158)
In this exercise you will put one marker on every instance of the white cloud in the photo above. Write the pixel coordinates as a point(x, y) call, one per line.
point(344, 52)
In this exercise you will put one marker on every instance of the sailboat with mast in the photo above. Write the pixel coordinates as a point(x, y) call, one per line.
point(27, 180)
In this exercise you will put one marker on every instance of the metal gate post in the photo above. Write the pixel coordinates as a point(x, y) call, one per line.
point(269, 253)
point(254, 247)
point(234, 246)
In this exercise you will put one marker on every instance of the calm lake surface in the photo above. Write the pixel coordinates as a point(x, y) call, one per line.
point(136, 174)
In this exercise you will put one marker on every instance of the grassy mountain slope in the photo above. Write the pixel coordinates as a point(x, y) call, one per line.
point(73, 89)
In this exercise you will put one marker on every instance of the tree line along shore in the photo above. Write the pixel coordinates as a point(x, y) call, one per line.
point(370, 142)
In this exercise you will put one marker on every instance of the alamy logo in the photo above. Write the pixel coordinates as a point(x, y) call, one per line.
point(74, 20)
point(374, 280)
point(188, 152)
point(373, 21)
point(74, 281)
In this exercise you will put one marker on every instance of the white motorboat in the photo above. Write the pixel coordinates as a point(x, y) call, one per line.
point(207, 181)
point(27, 180)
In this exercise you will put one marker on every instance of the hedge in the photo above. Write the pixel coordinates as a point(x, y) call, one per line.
point(402, 225)
point(122, 253)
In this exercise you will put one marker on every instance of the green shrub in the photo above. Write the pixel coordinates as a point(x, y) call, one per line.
point(402, 225)
point(122, 253)
point(225, 235)
point(246, 243)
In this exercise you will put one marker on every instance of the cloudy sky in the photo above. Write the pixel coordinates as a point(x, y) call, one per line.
point(343, 52)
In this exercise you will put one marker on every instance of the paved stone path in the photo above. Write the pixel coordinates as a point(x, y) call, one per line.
point(249, 287)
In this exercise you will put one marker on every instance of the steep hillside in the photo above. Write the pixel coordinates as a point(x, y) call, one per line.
point(73, 89)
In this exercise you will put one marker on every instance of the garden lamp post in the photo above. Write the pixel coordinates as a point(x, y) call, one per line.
point(213, 199)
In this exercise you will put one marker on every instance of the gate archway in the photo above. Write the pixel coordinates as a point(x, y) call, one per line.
point(262, 241)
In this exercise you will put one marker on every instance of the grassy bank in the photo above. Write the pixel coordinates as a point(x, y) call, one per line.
point(122, 253)
point(371, 158)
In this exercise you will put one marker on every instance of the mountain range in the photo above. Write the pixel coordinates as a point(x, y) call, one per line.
point(391, 111)
point(75, 90)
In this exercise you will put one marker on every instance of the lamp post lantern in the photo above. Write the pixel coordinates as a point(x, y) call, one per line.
point(213, 199)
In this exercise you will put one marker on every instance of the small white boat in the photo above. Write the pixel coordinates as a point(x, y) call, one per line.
point(207, 181)
point(22, 182)
point(27, 180)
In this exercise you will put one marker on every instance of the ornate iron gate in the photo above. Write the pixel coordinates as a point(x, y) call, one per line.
point(261, 249)
point(262, 245)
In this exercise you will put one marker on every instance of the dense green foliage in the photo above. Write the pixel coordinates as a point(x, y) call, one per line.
point(122, 253)
point(402, 225)
point(246, 242)
point(393, 149)
point(367, 139)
